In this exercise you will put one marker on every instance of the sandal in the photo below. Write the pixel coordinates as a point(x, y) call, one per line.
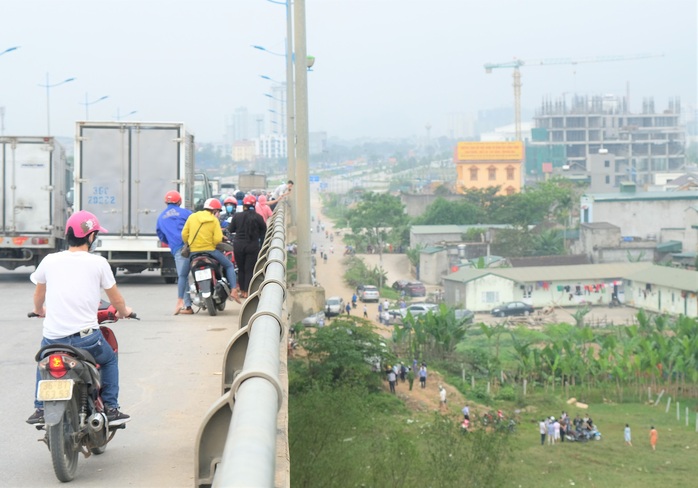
point(235, 295)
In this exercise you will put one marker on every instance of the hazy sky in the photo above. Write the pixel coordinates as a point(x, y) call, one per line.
point(383, 68)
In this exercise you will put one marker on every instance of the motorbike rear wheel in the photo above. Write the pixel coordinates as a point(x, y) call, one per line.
point(221, 306)
point(211, 306)
point(61, 437)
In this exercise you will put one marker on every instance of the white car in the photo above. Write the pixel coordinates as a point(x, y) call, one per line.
point(315, 320)
point(334, 306)
point(370, 294)
point(417, 309)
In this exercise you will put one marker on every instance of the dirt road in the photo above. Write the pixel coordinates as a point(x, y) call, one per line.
point(331, 277)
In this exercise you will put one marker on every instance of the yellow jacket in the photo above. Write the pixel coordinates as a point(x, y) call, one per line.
point(208, 236)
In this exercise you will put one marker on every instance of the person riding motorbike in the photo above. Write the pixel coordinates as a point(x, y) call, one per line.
point(230, 206)
point(203, 232)
point(68, 288)
point(249, 228)
point(169, 229)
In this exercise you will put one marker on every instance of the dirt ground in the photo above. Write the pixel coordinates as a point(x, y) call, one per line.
point(331, 277)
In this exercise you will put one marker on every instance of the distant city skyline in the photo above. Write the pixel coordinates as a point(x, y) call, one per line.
point(383, 69)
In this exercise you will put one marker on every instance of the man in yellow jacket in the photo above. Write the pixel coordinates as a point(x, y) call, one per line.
point(203, 232)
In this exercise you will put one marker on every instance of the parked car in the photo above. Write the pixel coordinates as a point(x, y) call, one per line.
point(415, 289)
point(417, 309)
point(464, 314)
point(400, 284)
point(315, 320)
point(512, 308)
point(369, 294)
point(334, 306)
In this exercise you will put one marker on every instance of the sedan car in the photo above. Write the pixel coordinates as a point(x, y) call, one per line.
point(512, 308)
point(315, 320)
point(369, 294)
point(415, 289)
point(417, 309)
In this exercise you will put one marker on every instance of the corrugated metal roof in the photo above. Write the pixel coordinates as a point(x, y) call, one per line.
point(649, 195)
point(681, 279)
point(670, 246)
point(453, 229)
point(552, 273)
point(432, 249)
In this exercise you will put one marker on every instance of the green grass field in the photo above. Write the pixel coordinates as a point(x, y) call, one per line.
point(609, 462)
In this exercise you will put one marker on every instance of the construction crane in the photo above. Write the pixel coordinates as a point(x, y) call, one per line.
point(518, 63)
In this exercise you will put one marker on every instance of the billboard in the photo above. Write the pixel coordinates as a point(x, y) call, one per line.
point(490, 151)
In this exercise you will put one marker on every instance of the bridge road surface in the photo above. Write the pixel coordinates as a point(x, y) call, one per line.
point(169, 377)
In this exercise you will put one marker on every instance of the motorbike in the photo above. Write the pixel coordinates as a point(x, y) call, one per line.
point(210, 289)
point(75, 420)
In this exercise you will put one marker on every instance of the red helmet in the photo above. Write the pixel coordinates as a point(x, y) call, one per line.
point(212, 204)
point(249, 200)
point(230, 200)
point(83, 223)
point(173, 196)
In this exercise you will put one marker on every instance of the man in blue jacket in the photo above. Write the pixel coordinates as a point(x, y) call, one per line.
point(169, 229)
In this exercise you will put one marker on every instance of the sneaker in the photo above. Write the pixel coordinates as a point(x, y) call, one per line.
point(37, 417)
point(116, 418)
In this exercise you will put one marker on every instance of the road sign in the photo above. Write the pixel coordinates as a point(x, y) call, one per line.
point(314, 178)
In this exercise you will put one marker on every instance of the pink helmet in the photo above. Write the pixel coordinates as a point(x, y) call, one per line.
point(83, 223)
point(262, 199)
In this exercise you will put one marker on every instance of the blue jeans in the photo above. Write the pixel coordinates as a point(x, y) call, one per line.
point(105, 356)
point(182, 265)
point(228, 265)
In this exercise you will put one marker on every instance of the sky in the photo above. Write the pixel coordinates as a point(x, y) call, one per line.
point(383, 68)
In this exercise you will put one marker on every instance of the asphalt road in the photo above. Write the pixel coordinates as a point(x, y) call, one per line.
point(170, 376)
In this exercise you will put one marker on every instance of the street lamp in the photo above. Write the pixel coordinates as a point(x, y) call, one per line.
point(87, 104)
point(48, 87)
point(118, 115)
point(9, 49)
point(264, 77)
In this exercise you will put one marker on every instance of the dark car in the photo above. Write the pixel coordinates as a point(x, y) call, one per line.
point(400, 284)
point(512, 308)
point(415, 289)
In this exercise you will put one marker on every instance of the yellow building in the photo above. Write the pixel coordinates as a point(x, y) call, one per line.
point(482, 165)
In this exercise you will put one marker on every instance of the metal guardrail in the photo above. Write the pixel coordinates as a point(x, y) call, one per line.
point(236, 443)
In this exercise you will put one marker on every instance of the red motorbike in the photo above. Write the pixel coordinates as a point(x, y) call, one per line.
point(75, 420)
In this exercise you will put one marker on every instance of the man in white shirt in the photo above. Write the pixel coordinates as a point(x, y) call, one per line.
point(279, 193)
point(67, 294)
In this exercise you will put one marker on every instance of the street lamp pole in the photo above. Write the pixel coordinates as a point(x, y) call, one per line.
point(119, 116)
point(87, 104)
point(302, 185)
point(48, 87)
point(290, 109)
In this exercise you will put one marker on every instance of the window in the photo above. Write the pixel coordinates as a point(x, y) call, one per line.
point(510, 172)
point(608, 179)
point(473, 174)
point(490, 297)
point(606, 164)
point(492, 173)
point(510, 190)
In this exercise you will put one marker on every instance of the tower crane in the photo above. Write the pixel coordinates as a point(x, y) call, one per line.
point(518, 63)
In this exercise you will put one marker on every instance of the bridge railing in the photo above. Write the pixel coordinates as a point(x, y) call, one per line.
point(237, 441)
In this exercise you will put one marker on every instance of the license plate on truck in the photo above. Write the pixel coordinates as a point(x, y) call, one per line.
point(52, 390)
point(202, 274)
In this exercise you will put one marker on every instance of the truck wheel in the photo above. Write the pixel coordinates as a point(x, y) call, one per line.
point(170, 280)
point(211, 306)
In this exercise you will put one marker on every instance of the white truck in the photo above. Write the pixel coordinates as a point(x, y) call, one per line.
point(122, 172)
point(33, 199)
